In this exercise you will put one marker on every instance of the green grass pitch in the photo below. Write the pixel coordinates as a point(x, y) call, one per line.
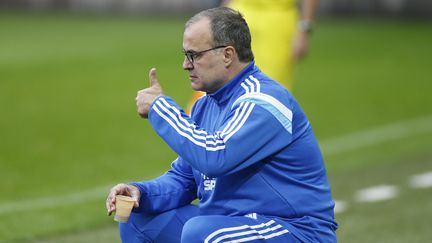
point(69, 128)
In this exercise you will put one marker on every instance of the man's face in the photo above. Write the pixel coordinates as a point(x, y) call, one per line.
point(207, 70)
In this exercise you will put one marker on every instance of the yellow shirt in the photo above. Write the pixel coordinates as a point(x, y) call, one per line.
point(272, 24)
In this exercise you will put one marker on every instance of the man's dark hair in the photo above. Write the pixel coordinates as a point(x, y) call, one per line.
point(229, 28)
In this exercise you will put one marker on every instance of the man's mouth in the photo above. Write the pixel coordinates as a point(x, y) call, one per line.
point(192, 77)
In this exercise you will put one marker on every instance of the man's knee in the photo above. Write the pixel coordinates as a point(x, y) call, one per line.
point(197, 229)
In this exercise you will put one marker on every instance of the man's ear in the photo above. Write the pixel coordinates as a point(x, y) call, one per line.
point(230, 55)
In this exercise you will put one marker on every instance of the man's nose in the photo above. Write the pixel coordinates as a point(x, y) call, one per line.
point(187, 65)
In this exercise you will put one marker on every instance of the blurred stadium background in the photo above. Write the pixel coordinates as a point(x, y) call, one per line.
point(70, 69)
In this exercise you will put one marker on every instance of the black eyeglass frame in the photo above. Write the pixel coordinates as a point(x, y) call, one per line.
point(192, 55)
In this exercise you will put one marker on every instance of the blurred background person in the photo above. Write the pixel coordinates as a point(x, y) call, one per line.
point(280, 35)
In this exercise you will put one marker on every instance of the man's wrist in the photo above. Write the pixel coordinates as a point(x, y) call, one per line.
point(305, 26)
point(151, 110)
point(154, 102)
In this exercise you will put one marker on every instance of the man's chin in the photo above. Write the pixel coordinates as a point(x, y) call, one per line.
point(196, 87)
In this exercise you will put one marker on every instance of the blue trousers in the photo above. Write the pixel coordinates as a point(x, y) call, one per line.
point(187, 226)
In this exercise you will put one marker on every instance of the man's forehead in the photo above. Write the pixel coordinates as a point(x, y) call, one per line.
point(197, 34)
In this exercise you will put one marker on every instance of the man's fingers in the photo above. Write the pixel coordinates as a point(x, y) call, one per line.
point(111, 199)
point(152, 77)
point(110, 205)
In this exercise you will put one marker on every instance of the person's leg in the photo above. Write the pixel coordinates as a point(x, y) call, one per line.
point(165, 227)
point(216, 228)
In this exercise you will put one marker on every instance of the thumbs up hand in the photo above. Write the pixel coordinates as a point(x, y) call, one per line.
point(146, 96)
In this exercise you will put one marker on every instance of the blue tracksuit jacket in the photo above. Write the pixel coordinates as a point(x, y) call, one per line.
point(247, 148)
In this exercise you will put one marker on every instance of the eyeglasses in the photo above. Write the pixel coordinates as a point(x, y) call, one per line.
point(192, 55)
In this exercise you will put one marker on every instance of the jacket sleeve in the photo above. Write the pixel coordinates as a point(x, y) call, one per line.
point(257, 126)
point(176, 188)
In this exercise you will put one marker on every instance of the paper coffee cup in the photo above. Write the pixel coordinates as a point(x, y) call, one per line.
point(124, 205)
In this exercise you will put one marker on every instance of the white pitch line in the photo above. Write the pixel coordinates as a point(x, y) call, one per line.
point(376, 135)
point(340, 206)
point(423, 180)
point(93, 194)
point(331, 146)
point(377, 193)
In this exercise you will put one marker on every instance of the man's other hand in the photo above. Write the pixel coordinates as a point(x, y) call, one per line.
point(121, 189)
point(146, 96)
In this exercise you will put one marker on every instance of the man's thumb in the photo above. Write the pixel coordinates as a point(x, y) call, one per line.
point(152, 77)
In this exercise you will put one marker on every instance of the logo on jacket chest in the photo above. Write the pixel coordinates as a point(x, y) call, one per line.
point(209, 183)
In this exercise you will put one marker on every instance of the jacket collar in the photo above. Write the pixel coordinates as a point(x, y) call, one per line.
point(226, 91)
